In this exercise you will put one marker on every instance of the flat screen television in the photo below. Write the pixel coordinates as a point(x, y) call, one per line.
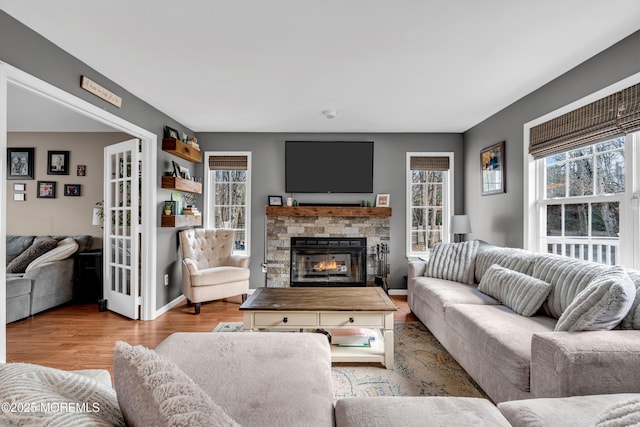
point(329, 166)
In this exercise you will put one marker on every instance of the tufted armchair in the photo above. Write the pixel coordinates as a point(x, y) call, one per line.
point(209, 270)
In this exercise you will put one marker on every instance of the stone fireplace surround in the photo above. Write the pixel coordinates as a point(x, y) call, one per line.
point(284, 222)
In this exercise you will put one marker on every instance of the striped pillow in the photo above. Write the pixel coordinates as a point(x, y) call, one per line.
point(625, 413)
point(453, 261)
point(521, 293)
point(601, 305)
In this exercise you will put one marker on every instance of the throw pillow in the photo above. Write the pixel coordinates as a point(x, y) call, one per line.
point(453, 261)
point(601, 305)
point(153, 391)
point(521, 293)
point(632, 319)
point(625, 413)
point(40, 246)
point(16, 245)
point(63, 250)
point(45, 396)
point(512, 258)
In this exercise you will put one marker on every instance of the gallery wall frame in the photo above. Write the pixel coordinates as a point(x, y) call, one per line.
point(20, 163)
point(46, 190)
point(57, 163)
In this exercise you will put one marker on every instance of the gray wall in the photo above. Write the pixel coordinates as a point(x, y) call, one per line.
point(499, 219)
point(389, 177)
point(62, 215)
point(25, 49)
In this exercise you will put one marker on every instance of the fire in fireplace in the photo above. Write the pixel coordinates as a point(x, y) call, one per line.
point(328, 261)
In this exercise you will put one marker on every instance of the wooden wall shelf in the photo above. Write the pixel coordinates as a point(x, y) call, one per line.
point(327, 211)
point(181, 221)
point(181, 184)
point(182, 150)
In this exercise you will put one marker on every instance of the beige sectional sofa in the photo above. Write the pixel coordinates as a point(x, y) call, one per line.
point(546, 354)
point(255, 379)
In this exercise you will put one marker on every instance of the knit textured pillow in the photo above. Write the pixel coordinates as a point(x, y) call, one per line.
point(453, 261)
point(521, 293)
point(625, 413)
point(41, 245)
point(632, 319)
point(153, 391)
point(601, 305)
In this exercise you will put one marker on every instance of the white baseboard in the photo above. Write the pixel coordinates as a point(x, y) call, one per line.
point(169, 306)
point(398, 292)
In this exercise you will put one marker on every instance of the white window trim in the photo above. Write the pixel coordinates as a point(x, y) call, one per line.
point(208, 183)
point(448, 206)
point(532, 174)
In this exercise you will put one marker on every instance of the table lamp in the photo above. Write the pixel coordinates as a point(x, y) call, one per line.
point(460, 226)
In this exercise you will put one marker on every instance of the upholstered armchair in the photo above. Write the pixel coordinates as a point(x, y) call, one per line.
point(209, 270)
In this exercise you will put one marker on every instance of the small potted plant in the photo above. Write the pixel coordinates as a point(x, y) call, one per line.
point(167, 209)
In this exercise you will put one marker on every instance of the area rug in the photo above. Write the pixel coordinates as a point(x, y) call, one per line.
point(422, 367)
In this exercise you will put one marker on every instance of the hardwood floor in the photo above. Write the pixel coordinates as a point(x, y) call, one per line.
point(81, 337)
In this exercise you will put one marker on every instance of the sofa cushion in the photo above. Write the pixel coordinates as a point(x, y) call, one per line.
point(40, 246)
point(154, 391)
point(16, 245)
point(262, 374)
point(495, 338)
point(439, 294)
point(632, 319)
point(453, 261)
point(84, 241)
point(219, 276)
point(626, 413)
point(521, 293)
point(559, 412)
point(60, 398)
point(511, 258)
point(433, 411)
point(568, 276)
point(601, 305)
point(63, 250)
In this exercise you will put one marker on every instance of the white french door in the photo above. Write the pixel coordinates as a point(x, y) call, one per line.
point(121, 228)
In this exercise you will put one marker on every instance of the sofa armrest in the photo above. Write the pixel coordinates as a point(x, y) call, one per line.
point(416, 269)
point(582, 363)
point(52, 284)
point(239, 261)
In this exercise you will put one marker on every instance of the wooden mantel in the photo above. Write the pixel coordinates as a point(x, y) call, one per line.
point(327, 211)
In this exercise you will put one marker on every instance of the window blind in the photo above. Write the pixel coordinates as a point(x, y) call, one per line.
point(605, 118)
point(429, 163)
point(228, 162)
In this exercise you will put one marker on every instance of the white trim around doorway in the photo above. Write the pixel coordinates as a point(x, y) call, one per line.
point(12, 75)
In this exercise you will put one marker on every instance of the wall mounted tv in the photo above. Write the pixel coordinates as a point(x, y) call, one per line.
point(329, 166)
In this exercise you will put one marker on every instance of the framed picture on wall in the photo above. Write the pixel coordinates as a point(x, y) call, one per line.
point(72, 190)
point(492, 166)
point(20, 163)
point(46, 190)
point(57, 163)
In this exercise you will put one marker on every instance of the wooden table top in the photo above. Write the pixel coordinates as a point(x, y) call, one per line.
point(319, 299)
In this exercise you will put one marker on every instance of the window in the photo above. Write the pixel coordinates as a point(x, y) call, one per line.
point(583, 197)
point(228, 195)
point(429, 183)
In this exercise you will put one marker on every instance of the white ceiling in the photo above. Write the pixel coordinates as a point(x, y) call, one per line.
point(385, 66)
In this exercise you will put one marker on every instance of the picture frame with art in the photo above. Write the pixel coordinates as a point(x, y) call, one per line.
point(382, 200)
point(57, 163)
point(275, 200)
point(72, 190)
point(20, 163)
point(493, 169)
point(46, 190)
point(171, 133)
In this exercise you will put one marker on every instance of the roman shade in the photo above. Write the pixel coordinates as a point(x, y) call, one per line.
point(608, 117)
point(429, 163)
point(228, 162)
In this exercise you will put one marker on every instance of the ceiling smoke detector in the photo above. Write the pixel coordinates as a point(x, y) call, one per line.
point(330, 114)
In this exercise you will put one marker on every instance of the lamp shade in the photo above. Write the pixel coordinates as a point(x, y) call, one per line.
point(96, 220)
point(460, 224)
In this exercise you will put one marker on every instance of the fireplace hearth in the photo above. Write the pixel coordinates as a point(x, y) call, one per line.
point(328, 261)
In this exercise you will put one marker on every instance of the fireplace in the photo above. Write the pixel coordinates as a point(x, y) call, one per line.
point(328, 261)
